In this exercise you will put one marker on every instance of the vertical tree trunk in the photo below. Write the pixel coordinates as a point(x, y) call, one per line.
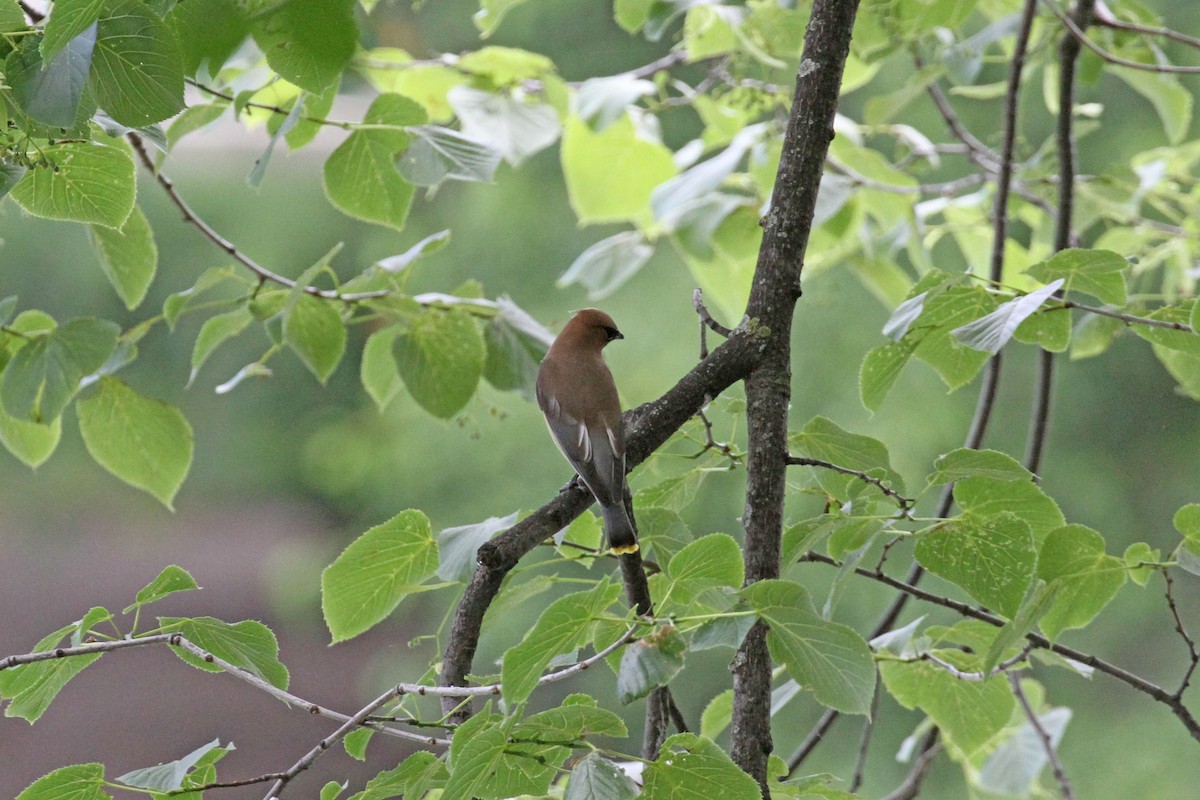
point(768, 388)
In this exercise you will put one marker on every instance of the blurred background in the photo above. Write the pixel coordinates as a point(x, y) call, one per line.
point(287, 472)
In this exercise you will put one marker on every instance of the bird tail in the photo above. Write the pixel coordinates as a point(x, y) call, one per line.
point(619, 528)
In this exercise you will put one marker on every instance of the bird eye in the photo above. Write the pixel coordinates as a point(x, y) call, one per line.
point(612, 333)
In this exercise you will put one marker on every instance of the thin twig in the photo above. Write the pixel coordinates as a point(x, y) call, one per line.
point(943, 189)
point(270, 776)
point(904, 502)
point(309, 758)
point(707, 320)
point(291, 699)
point(814, 737)
point(1193, 655)
point(83, 650)
point(1113, 58)
point(1153, 690)
point(911, 786)
point(1104, 17)
point(971, 677)
point(1129, 318)
point(864, 744)
point(1060, 775)
point(224, 244)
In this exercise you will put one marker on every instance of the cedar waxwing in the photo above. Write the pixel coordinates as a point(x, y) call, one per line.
point(577, 394)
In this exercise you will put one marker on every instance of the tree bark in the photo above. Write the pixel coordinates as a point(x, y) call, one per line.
point(772, 302)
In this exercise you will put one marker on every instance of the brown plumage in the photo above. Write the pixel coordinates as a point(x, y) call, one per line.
point(577, 394)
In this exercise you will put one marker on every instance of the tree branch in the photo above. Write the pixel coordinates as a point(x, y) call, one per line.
point(230, 249)
point(1130, 679)
point(1060, 775)
point(1078, 32)
point(1063, 237)
point(904, 502)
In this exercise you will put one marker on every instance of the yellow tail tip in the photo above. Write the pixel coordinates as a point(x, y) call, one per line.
point(624, 550)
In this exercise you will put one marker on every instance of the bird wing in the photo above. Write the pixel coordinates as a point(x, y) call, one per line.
point(596, 455)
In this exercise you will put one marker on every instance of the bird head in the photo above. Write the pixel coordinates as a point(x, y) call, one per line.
point(591, 328)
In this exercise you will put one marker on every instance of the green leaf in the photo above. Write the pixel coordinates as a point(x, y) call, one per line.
point(144, 442)
point(1184, 368)
point(332, 789)
point(30, 688)
point(315, 331)
point(1093, 335)
point(44, 375)
point(378, 369)
point(415, 776)
point(128, 256)
point(880, 369)
point(137, 69)
point(361, 177)
point(30, 442)
point(562, 627)
point(726, 271)
point(308, 42)
point(248, 644)
point(1187, 521)
point(216, 330)
point(68, 19)
point(179, 302)
point(596, 778)
point(650, 662)
point(992, 558)
point(50, 91)
point(830, 659)
point(954, 362)
point(985, 497)
point(516, 345)
point(1073, 559)
point(194, 118)
point(692, 768)
point(1182, 340)
point(717, 715)
point(208, 31)
point(1033, 607)
point(506, 66)
point(171, 580)
point(709, 562)
point(1135, 557)
point(608, 264)
point(969, 713)
point(577, 718)
point(823, 439)
point(490, 13)
point(965, 463)
point(610, 174)
point(1171, 100)
point(1099, 273)
point(171, 775)
point(78, 782)
point(1049, 329)
point(991, 332)
point(440, 358)
point(475, 758)
point(375, 572)
point(90, 183)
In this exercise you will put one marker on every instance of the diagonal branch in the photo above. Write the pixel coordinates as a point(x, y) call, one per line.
point(1060, 774)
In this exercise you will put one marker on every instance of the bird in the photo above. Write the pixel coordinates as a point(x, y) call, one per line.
point(578, 396)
